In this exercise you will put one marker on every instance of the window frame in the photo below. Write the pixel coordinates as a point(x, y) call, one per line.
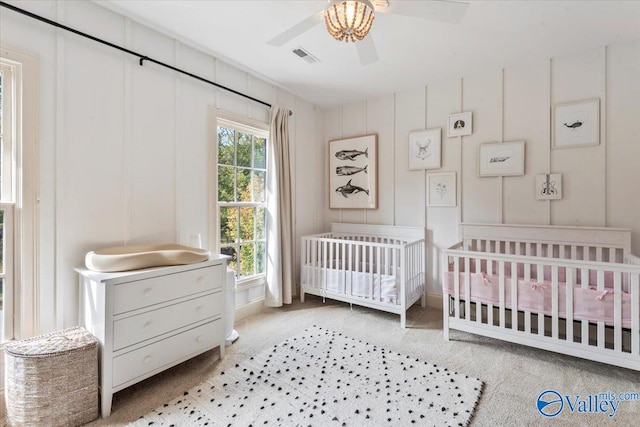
point(24, 203)
point(244, 125)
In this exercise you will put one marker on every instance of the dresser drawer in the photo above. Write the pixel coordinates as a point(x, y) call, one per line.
point(143, 293)
point(164, 353)
point(147, 325)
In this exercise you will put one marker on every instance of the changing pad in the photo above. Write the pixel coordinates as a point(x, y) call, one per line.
point(124, 258)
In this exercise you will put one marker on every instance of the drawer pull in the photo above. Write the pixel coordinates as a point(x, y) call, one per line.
point(147, 292)
point(200, 338)
point(147, 360)
point(146, 326)
point(200, 279)
point(199, 309)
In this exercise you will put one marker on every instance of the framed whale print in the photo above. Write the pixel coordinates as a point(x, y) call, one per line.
point(353, 173)
point(576, 124)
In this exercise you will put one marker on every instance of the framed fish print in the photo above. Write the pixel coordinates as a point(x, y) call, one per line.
point(353, 173)
point(576, 124)
point(424, 149)
point(501, 159)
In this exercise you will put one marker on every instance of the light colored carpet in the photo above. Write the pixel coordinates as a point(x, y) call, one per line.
point(514, 375)
point(321, 377)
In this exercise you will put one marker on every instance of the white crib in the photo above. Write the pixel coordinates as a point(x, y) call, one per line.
point(376, 266)
point(573, 290)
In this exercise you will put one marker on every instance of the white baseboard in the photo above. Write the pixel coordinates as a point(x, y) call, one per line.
point(249, 309)
point(434, 300)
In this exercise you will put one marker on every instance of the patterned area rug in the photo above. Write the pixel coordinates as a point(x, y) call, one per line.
point(323, 378)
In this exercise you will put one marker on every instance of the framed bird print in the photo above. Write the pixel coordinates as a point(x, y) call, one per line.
point(353, 173)
point(425, 149)
point(576, 124)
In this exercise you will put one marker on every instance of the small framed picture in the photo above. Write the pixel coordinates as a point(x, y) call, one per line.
point(425, 149)
point(441, 189)
point(576, 124)
point(549, 186)
point(501, 159)
point(460, 124)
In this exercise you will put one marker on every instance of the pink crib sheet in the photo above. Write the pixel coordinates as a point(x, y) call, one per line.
point(588, 304)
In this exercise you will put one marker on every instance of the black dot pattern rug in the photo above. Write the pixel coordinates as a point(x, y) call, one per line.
point(323, 378)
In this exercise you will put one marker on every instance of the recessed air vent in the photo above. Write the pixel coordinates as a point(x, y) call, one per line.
point(305, 55)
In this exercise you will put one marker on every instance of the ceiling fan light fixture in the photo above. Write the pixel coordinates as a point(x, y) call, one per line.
point(349, 20)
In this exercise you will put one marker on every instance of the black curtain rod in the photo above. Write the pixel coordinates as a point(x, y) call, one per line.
point(131, 52)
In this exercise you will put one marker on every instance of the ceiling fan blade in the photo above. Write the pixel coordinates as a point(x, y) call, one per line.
point(367, 50)
point(296, 30)
point(435, 10)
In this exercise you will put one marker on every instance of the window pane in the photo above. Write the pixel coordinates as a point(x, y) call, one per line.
point(225, 146)
point(260, 224)
point(261, 257)
point(244, 149)
point(260, 153)
point(233, 262)
point(228, 225)
point(244, 185)
point(247, 253)
point(1, 242)
point(246, 223)
point(258, 186)
point(226, 191)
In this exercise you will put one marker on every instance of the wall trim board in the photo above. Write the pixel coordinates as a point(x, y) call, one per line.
point(249, 309)
point(603, 128)
point(434, 300)
point(60, 295)
point(177, 152)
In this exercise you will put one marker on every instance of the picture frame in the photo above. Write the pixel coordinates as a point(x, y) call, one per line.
point(501, 159)
point(576, 124)
point(549, 186)
point(460, 124)
point(353, 173)
point(425, 148)
point(441, 189)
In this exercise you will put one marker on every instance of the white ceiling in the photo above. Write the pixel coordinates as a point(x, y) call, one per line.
point(412, 51)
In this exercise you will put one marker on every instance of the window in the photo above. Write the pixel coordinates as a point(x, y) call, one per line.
point(18, 194)
point(242, 174)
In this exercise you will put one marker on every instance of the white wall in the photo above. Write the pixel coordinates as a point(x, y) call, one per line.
point(600, 183)
point(124, 148)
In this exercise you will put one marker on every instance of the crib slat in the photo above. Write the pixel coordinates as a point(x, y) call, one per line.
point(377, 264)
point(599, 254)
point(585, 253)
point(368, 265)
point(635, 314)
point(501, 297)
point(617, 311)
point(514, 296)
point(527, 313)
point(569, 283)
point(456, 286)
point(584, 284)
point(325, 266)
point(467, 288)
point(540, 279)
point(554, 302)
point(574, 252)
point(600, 287)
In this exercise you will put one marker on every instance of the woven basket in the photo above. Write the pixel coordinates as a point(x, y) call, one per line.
point(52, 379)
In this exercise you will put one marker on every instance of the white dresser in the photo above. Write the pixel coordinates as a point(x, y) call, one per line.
point(149, 320)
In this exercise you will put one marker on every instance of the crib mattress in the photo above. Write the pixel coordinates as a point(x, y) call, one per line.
point(363, 284)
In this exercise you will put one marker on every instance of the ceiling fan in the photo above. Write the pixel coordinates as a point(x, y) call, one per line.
point(352, 20)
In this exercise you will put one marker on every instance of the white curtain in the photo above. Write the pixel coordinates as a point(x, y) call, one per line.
point(280, 257)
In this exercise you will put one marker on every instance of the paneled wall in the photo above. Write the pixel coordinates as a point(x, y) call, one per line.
point(600, 183)
point(124, 147)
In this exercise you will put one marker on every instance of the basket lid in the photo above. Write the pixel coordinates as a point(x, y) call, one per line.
point(58, 342)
